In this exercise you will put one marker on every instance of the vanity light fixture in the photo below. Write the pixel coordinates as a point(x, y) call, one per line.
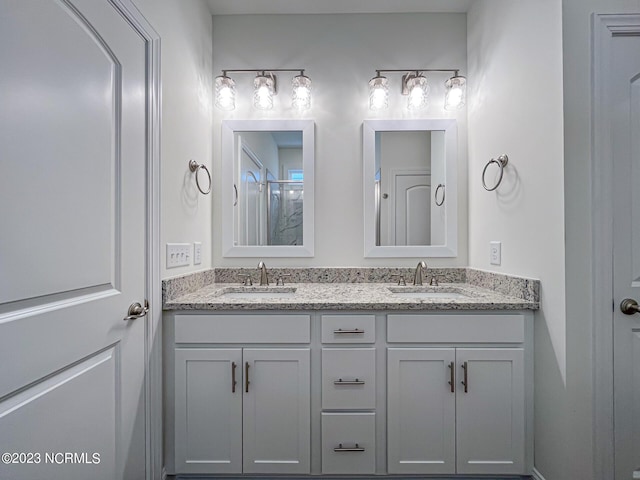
point(416, 87)
point(265, 88)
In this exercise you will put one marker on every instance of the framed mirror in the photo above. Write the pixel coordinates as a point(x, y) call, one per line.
point(267, 188)
point(410, 190)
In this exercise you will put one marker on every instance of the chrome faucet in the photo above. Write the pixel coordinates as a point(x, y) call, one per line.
point(417, 277)
point(264, 278)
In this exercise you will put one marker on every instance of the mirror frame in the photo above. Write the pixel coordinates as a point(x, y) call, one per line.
point(229, 129)
point(369, 130)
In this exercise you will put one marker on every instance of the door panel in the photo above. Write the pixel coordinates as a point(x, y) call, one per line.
point(625, 113)
point(72, 251)
point(413, 209)
point(58, 138)
point(421, 411)
point(69, 403)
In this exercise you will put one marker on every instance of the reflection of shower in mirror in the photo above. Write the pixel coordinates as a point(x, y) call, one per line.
point(270, 163)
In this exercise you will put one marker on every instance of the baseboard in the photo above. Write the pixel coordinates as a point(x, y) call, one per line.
point(537, 475)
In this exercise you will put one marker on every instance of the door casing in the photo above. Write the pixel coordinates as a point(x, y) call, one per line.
point(153, 289)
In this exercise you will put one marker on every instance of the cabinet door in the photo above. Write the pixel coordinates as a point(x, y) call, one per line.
point(276, 411)
point(420, 411)
point(490, 411)
point(208, 410)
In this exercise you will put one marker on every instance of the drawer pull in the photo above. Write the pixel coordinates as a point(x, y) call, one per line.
point(348, 382)
point(246, 377)
point(341, 449)
point(452, 377)
point(350, 331)
point(465, 382)
point(233, 377)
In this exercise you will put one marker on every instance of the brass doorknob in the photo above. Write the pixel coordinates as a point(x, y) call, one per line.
point(629, 306)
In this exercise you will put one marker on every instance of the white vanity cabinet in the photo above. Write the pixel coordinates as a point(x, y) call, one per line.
point(349, 393)
point(457, 410)
point(240, 409)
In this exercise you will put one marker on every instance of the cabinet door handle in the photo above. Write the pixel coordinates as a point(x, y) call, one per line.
point(465, 382)
point(349, 382)
point(233, 377)
point(246, 377)
point(452, 377)
point(352, 330)
point(341, 449)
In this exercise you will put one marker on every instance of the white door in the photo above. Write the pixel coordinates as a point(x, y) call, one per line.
point(625, 140)
point(490, 411)
point(208, 410)
point(276, 407)
point(72, 241)
point(412, 209)
point(251, 188)
point(421, 411)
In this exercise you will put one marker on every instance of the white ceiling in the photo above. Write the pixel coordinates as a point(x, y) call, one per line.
point(235, 7)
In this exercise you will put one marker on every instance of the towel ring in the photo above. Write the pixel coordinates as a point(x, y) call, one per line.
point(501, 162)
point(435, 196)
point(195, 167)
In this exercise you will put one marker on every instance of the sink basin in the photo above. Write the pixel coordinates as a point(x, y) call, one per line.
point(431, 293)
point(443, 295)
point(259, 293)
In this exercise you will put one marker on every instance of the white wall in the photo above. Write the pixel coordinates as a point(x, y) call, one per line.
point(185, 31)
point(578, 209)
point(515, 107)
point(340, 54)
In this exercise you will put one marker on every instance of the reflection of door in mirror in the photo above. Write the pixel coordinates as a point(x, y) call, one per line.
point(250, 194)
point(269, 208)
point(408, 162)
point(410, 222)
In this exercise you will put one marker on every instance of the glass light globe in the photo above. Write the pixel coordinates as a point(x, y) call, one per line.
point(418, 88)
point(301, 98)
point(263, 94)
point(378, 93)
point(225, 91)
point(456, 93)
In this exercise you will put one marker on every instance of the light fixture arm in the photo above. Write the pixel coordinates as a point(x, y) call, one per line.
point(419, 70)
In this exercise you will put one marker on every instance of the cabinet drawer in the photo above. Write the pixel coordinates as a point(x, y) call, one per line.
point(455, 328)
point(348, 443)
point(242, 328)
point(348, 378)
point(348, 328)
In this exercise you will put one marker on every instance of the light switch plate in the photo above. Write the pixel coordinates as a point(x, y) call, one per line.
point(178, 254)
point(495, 253)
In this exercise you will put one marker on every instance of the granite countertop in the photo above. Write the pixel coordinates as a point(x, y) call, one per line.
point(346, 296)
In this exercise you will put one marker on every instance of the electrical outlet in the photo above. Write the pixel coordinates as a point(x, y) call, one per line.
point(178, 254)
point(495, 253)
point(197, 253)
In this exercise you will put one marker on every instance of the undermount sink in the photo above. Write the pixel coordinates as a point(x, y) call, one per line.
point(259, 293)
point(430, 293)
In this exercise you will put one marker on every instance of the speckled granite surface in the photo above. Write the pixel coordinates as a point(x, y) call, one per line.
point(339, 275)
point(350, 289)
